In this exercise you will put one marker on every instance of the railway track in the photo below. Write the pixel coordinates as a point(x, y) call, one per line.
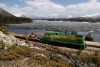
point(92, 46)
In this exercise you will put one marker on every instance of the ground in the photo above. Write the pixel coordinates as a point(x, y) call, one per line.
point(46, 55)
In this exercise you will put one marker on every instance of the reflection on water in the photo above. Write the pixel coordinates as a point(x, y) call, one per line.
point(40, 27)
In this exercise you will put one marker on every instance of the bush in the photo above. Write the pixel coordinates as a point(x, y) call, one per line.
point(27, 42)
point(2, 45)
point(18, 53)
point(12, 47)
point(95, 60)
point(4, 29)
point(24, 51)
point(89, 37)
point(78, 53)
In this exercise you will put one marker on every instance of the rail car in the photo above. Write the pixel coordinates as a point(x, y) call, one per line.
point(77, 41)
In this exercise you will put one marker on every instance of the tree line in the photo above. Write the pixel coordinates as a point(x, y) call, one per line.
point(13, 20)
point(79, 19)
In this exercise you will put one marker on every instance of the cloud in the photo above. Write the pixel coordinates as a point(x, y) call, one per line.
point(93, 1)
point(14, 10)
point(2, 4)
point(91, 7)
point(45, 5)
point(48, 8)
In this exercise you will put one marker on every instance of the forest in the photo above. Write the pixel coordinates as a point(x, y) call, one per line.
point(77, 19)
point(13, 20)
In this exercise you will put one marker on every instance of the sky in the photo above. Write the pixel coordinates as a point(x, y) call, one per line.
point(70, 8)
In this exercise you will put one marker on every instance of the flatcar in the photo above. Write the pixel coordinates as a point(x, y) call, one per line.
point(67, 39)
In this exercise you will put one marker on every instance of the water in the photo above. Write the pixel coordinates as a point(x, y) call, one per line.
point(28, 31)
point(40, 26)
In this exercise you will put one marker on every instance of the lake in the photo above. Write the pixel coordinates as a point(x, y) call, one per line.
point(40, 26)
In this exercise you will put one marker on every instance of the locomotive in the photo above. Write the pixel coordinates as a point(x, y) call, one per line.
point(77, 41)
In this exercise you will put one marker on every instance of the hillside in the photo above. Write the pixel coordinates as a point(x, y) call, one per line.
point(8, 18)
point(5, 13)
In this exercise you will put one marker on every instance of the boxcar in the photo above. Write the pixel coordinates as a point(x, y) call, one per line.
point(76, 41)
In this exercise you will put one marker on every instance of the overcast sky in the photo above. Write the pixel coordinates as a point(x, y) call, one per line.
point(51, 7)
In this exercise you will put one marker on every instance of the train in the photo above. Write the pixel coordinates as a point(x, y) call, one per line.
point(76, 41)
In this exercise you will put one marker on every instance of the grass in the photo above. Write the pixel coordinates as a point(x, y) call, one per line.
point(34, 56)
point(4, 30)
point(90, 57)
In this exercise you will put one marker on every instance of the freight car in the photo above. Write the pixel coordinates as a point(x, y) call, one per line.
point(67, 39)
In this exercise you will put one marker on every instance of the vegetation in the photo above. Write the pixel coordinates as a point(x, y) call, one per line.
point(77, 19)
point(8, 46)
point(35, 58)
point(4, 29)
point(89, 37)
point(93, 59)
point(2, 45)
point(27, 41)
point(78, 53)
point(13, 20)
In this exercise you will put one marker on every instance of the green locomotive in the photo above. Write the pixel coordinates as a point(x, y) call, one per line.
point(66, 39)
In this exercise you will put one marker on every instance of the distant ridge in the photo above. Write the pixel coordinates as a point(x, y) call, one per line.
point(4, 12)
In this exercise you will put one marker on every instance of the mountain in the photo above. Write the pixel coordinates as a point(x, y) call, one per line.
point(8, 18)
point(59, 16)
point(17, 15)
point(4, 12)
point(92, 16)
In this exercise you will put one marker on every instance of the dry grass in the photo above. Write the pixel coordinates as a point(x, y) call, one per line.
point(34, 57)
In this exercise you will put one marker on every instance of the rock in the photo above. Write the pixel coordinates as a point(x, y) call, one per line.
point(86, 65)
point(19, 43)
point(3, 51)
point(11, 36)
point(78, 65)
point(1, 34)
point(91, 65)
point(22, 43)
point(10, 40)
point(5, 38)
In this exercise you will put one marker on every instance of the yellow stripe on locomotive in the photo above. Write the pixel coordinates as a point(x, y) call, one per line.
point(73, 38)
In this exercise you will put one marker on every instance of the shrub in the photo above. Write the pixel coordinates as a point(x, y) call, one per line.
point(24, 51)
point(89, 60)
point(12, 47)
point(96, 53)
point(95, 60)
point(4, 29)
point(78, 53)
point(2, 44)
point(16, 54)
point(27, 41)
point(89, 37)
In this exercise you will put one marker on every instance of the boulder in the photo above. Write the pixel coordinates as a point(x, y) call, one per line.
point(10, 39)
point(5, 38)
point(91, 65)
point(19, 43)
